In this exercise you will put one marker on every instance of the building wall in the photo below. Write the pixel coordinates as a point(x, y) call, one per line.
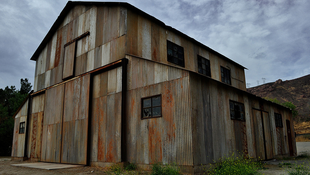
point(104, 44)
point(216, 135)
point(148, 39)
point(18, 144)
point(166, 139)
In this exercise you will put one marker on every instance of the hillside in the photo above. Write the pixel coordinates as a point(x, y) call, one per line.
point(296, 91)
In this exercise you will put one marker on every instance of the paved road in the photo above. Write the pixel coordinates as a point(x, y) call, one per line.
point(303, 147)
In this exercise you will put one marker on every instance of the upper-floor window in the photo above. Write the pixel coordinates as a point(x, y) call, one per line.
point(203, 66)
point(175, 54)
point(278, 120)
point(21, 127)
point(225, 75)
point(151, 107)
point(236, 110)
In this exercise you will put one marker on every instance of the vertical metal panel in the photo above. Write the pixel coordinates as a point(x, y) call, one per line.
point(47, 78)
point(74, 140)
point(148, 73)
point(48, 55)
point(107, 113)
point(144, 38)
point(81, 23)
point(92, 28)
point(119, 79)
point(268, 138)
point(59, 47)
point(112, 79)
point(250, 126)
point(52, 124)
point(259, 138)
point(132, 33)
point(155, 42)
point(41, 81)
point(90, 60)
point(105, 57)
point(69, 61)
point(53, 51)
point(80, 64)
point(123, 21)
point(163, 45)
point(202, 128)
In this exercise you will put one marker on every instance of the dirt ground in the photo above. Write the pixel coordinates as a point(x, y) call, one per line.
point(272, 167)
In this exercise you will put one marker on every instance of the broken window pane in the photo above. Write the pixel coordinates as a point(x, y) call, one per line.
point(151, 107)
point(236, 111)
point(204, 66)
point(175, 54)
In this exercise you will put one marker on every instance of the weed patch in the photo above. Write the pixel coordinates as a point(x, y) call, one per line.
point(234, 165)
point(170, 169)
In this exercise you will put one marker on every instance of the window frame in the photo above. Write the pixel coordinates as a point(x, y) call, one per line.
point(278, 119)
point(208, 68)
point(151, 107)
point(21, 129)
point(230, 111)
point(171, 59)
point(224, 72)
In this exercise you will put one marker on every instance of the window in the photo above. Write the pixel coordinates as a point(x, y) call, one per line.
point(151, 107)
point(175, 54)
point(278, 119)
point(225, 74)
point(22, 127)
point(203, 66)
point(236, 111)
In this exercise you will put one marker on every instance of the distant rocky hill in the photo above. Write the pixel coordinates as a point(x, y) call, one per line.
point(296, 91)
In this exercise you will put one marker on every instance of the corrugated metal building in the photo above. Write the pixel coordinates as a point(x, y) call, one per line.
point(114, 84)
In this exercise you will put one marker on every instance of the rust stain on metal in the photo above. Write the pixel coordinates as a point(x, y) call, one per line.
point(154, 140)
point(58, 47)
point(110, 153)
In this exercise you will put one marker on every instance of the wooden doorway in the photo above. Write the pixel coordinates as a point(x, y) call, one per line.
point(289, 136)
point(263, 138)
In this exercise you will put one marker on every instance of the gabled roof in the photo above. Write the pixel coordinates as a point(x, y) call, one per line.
point(71, 4)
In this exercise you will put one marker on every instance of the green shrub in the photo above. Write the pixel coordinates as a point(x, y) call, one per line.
point(130, 166)
point(116, 169)
point(234, 165)
point(158, 169)
point(299, 170)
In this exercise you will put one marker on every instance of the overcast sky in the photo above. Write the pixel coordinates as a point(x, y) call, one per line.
point(269, 37)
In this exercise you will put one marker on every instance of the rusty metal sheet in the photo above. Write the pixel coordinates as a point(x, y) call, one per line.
point(202, 128)
point(48, 55)
point(132, 33)
point(136, 73)
point(268, 138)
point(59, 47)
point(94, 129)
point(101, 114)
point(97, 59)
point(80, 64)
point(148, 73)
point(52, 124)
point(118, 48)
point(99, 27)
point(155, 42)
point(69, 61)
point(15, 136)
point(163, 45)
point(259, 138)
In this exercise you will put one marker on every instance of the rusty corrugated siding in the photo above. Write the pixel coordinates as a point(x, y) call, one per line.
point(166, 139)
point(106, 117)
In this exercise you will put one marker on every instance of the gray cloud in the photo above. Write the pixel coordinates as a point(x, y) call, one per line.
point(269, 37)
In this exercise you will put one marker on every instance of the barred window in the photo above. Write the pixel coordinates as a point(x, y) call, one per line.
point(21, 127)
point(175, 54)
point(236, 110)
point(278, 120)
point(151, 107)
point(225, 75)
point(204, 66)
